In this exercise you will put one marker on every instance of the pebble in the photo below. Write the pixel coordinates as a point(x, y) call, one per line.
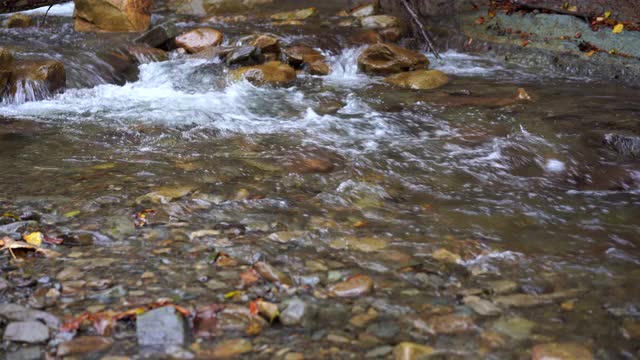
point(295, 312)
point(481, 306)
point(272, 274)
point(411, 351)
point(560, 351)
point(84, 345)
point(361, 320)
point(517, 328)
point(355, 286)
point(162, 326)
point(31, 332)
point(380, 351)
point(446, 256)
point(450, 324)
point(227, 349)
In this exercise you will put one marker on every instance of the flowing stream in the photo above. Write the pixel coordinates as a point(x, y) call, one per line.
point(541, 194)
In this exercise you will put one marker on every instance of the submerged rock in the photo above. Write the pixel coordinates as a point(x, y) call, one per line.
point(213, 7)
point(419, 79)
point(301, 14)
point(32, 332)
point(355, 286)
point(19, 21)
point(384, 58)
point(272, 274)
point(450, 324)
point(295, 312)
point(112, 15)
point(15, 312)
point(411, 351)
point(379, 22)
point(270, 73)
point(84, 345)
point(162, 326)
point(560, 351)
point(199, 39)
point(227, 349)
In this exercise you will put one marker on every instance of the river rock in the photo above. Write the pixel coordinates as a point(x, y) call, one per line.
point(145, 54)
point(355, 286)
point(270, 73)
point(47, 75)
point(301, 14)
point(227, 349)
point(199, 39)
point(560, 351)
point(6, 58)
point(419, 79)
point(162, 326)
point(213, 7)
point(384, 58)
point(450, 324)
point(112, 15)
point(244, 55)
point(31, 332)
point(392, 34)
point(517, 328)
point(411, 351)
point(376, 22)
point(4, 284)
point(364, 10)
point(19, 21)
point(319, 68)
point(267, 44)
point(15, 312)
point(364, 244)
point(84, 345)
point(295, 312)
point(272, 274)
point(366, 37)
point(481, 306)
point(296, 56)
point(158, 34)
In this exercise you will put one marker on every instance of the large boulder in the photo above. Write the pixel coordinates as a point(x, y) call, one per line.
point(28, 80)
point(419, 79)
point(112, 15)
point(271, 73)
point(385, 59)
point(214, 7)
point(19, 21)
point(199, 39)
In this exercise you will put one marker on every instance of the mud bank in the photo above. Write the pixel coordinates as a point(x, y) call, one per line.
point(560, 41)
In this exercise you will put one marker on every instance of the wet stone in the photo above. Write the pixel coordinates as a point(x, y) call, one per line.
point(84, 345)
point(386, 330)
point(15, 312)
point(295, 312)
point(560, 351)
point(451, 324)
point(26, 353)
point(517, 328)
point(32, 332)
point(481, 306)
point(163, 326)
point(355, 286)
point(411, 351)
point(227, 349)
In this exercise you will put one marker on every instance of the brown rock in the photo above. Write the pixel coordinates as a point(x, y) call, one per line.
point(272, 274)
point(267, 44)
point(6, 59)
point(379, 22)
point(419, 79)
point(50, 73)
point(450, 324)
point(392, 34)
point(298, 55)
point(84, 345)
point(227, 349)
point(19, 21)
point(383, 59)
point(272, 73)
point(112, 15)
point(355, 286)
point(411, 351)
point(199, 39)
point(315, 166)
point(560, 351)
point(366, 37)
point(364, 10)
point(318, 68)
point(301, 14)
point(143, 54)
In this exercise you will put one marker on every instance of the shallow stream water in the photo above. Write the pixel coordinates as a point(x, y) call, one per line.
point(543, 193)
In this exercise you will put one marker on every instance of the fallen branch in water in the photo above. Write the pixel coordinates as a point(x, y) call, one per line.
point(9, 6)
point(424, 32)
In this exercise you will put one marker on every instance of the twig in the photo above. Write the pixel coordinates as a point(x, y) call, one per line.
point(44, 19)
point(418, 23)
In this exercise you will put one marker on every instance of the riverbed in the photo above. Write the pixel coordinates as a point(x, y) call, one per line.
point(441, 197)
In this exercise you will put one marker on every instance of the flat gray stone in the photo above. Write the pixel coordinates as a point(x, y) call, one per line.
point(31, 332)
point(162, 326)
point(15, 312)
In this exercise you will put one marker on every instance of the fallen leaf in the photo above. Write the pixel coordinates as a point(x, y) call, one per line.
point(34, 238)
point(71, 214)
point(232, 294)
point(525, 43)
point(618, 28)
point(572, 8)
point(607, 14)
point(142, 217)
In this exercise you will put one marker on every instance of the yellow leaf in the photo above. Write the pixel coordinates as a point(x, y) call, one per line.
point(35, 238)
point(618, 28)
point(105, 166)
point(572, 8)
point(71, 214)
point(232, 294)
point(607, 14)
